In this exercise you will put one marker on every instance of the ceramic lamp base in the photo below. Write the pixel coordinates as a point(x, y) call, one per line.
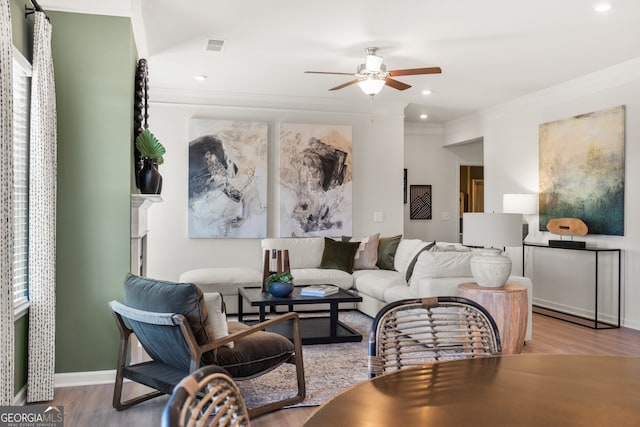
point(490, 268)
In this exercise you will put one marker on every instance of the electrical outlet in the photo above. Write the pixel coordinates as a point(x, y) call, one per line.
point(378, 216)
point(446, 216)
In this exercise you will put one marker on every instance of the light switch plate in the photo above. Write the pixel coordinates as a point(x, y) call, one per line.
point(378, 216)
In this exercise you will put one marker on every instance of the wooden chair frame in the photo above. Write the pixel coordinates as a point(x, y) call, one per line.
point(164, 378)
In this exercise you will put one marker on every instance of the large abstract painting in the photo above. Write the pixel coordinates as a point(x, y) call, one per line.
point(315, 180)
point(227, 179)
point(582, 170)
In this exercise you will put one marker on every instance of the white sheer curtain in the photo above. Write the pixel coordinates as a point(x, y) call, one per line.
point(6, 207)
point(42, 217)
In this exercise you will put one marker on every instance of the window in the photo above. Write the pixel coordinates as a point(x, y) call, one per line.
point(21, 84)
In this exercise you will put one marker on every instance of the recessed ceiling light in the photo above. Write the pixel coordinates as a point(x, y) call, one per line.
point(200, 77)
point(602, 7)
point(426, 92)
point(423, 116)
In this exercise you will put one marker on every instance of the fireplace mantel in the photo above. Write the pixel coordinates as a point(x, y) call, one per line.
point(140, 204)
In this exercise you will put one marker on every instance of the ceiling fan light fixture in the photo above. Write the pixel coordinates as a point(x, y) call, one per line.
point(373, 63)
point(371, 85)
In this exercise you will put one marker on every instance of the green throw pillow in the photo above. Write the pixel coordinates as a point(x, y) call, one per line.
point(387, 247)
point(339, 255)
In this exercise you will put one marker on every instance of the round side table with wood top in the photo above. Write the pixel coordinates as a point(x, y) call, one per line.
point(508, 307)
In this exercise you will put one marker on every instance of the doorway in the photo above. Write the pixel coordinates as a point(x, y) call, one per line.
point(471, 192)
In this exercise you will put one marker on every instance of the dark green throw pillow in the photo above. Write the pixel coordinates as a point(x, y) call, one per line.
point(387, 248)
point(338, 255)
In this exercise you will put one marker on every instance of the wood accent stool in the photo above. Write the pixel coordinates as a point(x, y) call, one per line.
point(508, 306)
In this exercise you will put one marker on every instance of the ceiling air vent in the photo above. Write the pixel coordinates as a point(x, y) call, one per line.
point(214, 45)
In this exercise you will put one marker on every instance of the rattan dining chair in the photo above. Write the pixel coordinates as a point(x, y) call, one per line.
point(412, 332)
point(207, 398)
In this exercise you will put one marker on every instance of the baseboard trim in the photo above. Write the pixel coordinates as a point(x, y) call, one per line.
point(73, 379)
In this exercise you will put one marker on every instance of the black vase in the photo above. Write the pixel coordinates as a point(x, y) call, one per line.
point(149, 178)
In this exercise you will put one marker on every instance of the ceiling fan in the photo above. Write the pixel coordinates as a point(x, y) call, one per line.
point(372, 76)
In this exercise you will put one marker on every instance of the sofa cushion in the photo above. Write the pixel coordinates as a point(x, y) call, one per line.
point(441, 264)
point(412, 264)
point(320, 276)
point(225, 280)
point(254, 353)
point(338, 255)
point(449, 247)
point(376, 282)
point(387, 247)
point(367, 254)
point(396, 293)
point(304, 252)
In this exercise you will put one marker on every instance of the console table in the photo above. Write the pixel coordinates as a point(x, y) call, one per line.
point(591, 323)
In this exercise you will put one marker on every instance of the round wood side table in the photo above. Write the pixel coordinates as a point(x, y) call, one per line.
point(508, 307)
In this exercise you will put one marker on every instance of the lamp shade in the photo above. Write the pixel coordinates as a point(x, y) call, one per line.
point(525, 204)
point(494, 230)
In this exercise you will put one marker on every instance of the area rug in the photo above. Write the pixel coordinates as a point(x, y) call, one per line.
point(328, 369)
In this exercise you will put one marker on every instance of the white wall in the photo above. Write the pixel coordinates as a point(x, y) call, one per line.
point(378, 159)
point(511, 165)
point(428, 162)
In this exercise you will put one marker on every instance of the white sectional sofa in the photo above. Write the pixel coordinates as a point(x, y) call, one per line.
point(420, 269)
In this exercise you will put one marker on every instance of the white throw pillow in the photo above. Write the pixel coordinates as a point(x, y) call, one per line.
point(407, 250)
point(217, 315)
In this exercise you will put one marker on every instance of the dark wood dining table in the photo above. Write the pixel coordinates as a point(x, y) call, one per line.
point(514, 390)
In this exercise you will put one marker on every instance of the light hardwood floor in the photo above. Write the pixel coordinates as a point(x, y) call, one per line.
point(91, 405)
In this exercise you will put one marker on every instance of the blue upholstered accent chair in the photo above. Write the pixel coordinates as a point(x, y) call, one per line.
point(171, 322)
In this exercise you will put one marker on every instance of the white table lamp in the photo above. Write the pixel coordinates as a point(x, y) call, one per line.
point(525, 204)
point(492, 232)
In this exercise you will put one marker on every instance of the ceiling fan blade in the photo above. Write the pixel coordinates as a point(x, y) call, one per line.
point(413, 71)
point(330, 72)
point(396, 84)
point(345, 84)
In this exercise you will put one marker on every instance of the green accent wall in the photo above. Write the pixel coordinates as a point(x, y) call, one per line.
point(21, 27)
point(94, 59)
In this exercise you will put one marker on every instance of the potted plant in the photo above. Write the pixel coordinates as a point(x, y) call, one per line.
point(152, 152)
point(279, 284)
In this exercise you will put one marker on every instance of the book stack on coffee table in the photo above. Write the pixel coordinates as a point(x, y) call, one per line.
point(318, 290)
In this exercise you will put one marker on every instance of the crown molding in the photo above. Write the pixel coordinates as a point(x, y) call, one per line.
point(92, 7)
point(199, 97)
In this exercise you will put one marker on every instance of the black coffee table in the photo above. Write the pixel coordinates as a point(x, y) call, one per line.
point(315, 329)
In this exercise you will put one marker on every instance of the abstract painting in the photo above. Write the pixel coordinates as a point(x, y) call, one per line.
point(582, 170)
point(227, 179)
point(315, 180)
point(420, 202)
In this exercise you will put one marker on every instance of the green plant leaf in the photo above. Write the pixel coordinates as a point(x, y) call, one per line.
point(150, 147)
point(278, 277)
